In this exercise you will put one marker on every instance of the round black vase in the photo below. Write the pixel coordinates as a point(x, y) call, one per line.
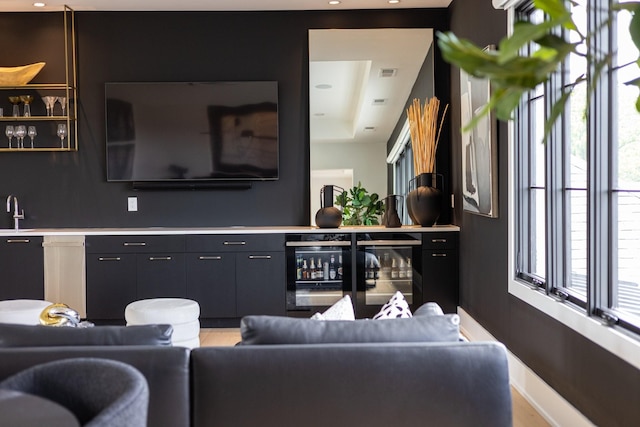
point(424, 202)
point(330, 217)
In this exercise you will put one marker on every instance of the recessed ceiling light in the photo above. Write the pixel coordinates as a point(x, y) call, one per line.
point(334, 2)
point(39, 4)
point(394, 1)
point(323, 86)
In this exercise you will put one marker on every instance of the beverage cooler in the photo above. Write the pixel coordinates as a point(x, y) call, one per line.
point(387, 263)
point(318, 272)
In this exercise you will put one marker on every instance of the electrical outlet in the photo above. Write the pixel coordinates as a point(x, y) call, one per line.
point(132, 204)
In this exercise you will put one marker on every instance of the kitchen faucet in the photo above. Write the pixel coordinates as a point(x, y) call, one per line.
point(17, 215)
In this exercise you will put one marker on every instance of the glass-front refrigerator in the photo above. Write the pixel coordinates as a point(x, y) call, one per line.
point(387, 263)
point(318, 272)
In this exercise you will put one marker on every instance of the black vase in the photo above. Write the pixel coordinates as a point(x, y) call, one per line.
point(390, 217)
point(424, 201)
point(328, 216)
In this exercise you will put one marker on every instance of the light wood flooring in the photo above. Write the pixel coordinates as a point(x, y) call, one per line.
point(524, 415)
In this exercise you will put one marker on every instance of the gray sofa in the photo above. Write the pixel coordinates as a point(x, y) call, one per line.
point(320, 384)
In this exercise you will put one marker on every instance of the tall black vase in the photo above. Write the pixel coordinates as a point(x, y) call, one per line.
point(424, 201)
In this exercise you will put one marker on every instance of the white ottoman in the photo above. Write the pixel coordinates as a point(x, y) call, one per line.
point(182, 314)
point(22, 311)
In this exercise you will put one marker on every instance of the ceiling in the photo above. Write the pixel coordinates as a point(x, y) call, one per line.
point(360, 105)
point(215, 5)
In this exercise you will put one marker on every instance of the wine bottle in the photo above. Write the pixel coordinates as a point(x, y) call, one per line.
point(332, 268)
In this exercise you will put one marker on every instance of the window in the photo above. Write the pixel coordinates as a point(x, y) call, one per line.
point(577, 198)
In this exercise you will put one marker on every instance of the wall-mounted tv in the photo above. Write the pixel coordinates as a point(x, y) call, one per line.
point(192, 131)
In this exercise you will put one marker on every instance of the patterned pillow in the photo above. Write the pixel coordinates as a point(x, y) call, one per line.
point(396, 308)
point(341, 310)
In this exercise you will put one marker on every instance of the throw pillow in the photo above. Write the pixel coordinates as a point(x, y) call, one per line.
point(396, 308)
point(257, 330)
point(13, 335)
point(341, 310)
point(428, 309)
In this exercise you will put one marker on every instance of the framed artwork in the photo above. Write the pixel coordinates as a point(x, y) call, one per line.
point(479, 149)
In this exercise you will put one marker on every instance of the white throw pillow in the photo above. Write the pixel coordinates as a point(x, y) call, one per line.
point(341, 310)
point(396, 308)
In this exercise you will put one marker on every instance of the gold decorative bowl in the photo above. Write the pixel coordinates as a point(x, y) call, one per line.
point(19, 76)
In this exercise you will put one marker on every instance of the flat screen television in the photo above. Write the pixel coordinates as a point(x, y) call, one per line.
point(192, 131)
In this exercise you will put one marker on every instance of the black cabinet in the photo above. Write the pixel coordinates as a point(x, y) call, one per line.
point(236, 275)
point(440, 276)
point(122, 269)
point(21, 267)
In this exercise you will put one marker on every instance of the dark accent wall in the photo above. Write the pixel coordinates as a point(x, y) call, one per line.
point(70, 189)
point(603, 387)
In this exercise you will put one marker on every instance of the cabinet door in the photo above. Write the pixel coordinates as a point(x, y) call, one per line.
point(260, 278)
point(440, 278)
point(111, 285)
point(211, 280)
point(22, 268)
point(161, 275)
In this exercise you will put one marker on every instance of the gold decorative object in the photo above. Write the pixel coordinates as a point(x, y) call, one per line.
point(59, 314)
point(18, 76)
point(425, 133)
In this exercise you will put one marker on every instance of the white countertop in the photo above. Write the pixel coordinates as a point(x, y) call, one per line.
point(220, 230)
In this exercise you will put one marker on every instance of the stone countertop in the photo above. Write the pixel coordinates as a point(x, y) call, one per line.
point(220, 230)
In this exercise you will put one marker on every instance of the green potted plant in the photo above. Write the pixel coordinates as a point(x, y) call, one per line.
point(512, 74)
point(359, 207)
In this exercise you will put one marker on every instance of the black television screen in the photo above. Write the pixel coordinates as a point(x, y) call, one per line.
point(191, 131)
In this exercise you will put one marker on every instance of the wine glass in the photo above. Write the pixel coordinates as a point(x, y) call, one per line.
point(9, 132)
point(49, 102)
point(15, 101)
point(27, 99)
point(32, 132)
point(62, 133)
point(63, 103)
point(21, 132)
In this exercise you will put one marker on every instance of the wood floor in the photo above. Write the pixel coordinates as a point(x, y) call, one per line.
point(524, 415)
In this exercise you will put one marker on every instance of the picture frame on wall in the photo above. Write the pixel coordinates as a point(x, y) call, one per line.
point(479, 148)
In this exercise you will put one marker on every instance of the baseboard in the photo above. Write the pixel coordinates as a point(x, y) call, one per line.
point(550, 405)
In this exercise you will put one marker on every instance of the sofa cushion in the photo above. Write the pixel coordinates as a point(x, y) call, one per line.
point(40, 336)
point(341, 310)
point(396, 308)
point(285, 330)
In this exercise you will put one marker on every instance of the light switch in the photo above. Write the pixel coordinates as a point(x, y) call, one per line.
point(132, 204)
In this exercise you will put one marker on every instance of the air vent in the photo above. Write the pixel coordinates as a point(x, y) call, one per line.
point(369, 128)
point(379, 101)
point(388, 72)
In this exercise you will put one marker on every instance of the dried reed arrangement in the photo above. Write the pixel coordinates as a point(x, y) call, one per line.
point(425, 133)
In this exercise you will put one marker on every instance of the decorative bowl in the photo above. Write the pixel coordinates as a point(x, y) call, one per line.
point(19, 76)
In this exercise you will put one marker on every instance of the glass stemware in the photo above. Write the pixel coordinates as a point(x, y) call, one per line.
point(21, 132)
point(9, 132)
point(49, 102)
point(32, 132)
point(27, 99)
point(62, 133)
point(63, 103)
point(15, 101)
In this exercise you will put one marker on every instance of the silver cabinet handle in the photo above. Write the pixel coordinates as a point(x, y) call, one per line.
point(259, 256)
point(159, 258)
point(113, 258)
point(18, 240)
point(438, 240)
point(389, 243)
point(210, 258)
point(439, 255)
point(134, 244)
point(234, 243)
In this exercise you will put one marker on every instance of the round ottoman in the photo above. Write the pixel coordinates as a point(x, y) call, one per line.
point(22, 311)
point(182, 314)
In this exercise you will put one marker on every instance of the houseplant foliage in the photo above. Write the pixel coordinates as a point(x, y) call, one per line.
point(513, 74)
point(359, 207)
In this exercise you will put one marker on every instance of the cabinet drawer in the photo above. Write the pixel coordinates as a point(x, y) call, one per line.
point(134, 244)
point(431, 241)
point(235, 243)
